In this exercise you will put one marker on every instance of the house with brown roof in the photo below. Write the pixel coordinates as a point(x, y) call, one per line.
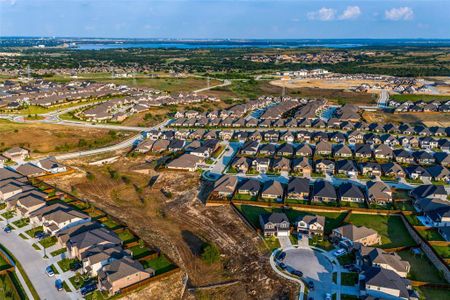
point(355, 234)
point(225, 186)
point(273, 190)
point(311, 225)
point(30, 170)
point(121, 273)
point(378, 193)
point(187, 162)
point(17, 154)
point(376, 257)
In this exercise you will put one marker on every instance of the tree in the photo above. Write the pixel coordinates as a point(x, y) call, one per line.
point(210, 253)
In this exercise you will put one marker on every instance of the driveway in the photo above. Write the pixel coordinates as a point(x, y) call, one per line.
point(34, 266)
point(285, 242)
point(315, 267)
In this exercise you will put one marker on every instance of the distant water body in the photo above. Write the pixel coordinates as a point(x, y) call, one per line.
point(226, 44)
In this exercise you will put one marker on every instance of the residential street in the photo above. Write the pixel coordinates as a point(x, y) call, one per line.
point(34, 265)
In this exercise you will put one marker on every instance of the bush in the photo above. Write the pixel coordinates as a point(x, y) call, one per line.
point(210, 254)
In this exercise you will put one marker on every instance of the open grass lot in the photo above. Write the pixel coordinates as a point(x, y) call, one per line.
point(110, 224)
point(8, 289)
point(391, 228)
point(160, 264)
point(50, 138)
point(419, 97)
point(272, 243)
point(252, 213)
point(429, 119)
point(421, 267)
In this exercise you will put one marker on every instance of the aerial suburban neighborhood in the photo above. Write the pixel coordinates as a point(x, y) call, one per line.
point(224, 150)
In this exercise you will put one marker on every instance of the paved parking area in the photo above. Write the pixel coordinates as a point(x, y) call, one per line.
point(315, 267)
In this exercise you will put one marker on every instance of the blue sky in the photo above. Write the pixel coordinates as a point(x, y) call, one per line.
point(226, 18)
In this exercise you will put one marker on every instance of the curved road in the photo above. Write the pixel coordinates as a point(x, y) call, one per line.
point(282, 274)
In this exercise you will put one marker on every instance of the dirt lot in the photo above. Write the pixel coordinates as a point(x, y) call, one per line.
point(162, 219)
point(429, 119)
point(50, 138)
point(335, 91)
point(158, 114)
point(323, 84)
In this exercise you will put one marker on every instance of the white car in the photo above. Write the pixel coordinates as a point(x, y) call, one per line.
point(339, 252)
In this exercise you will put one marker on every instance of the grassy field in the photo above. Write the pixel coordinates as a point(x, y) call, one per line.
point(419, 97)
point(421, 268)
point(252, 214)
point(391, 228)
point(49, 138)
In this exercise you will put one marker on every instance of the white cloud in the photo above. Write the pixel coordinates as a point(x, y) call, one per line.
point(330, 14)
point(351, 12)
point(323, 14)
point(399, 14)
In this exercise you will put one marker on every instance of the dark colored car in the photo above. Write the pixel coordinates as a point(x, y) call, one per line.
point(39, 235)
point(88, 289)
point(75, 266)
point(311, 285)
point(297, 273)
point(58, 284)
point(7, 229)
point(282, 255)
point(282, 265)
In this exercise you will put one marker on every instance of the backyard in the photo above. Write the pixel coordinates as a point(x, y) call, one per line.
point(421, 268)
point(160, 264)
point(391, 228)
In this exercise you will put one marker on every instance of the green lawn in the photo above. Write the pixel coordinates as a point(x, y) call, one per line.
point(349, 279)
point(245, 197)
point(421, 267)
point(272, 243)
point(97, 295)
point(58, 252)
point(252, 213)
point(8, 214)
point(4, 264)
point(431, 235)
point(391, 228)
point(345, 259)
point(23, 236)
point(32, 232)
point(54, 269)
point(431, 293)
point(139, 252)
point(8, 288)
point(417, 97)
point(48, 241)
point(110, 224)
point(22, 222)
point(126, 236)
point(66, 264)
point(36, 247)
point(443, 251)
point(322, 244)
point(66, 287)
point(160, 264)
point(78, 280)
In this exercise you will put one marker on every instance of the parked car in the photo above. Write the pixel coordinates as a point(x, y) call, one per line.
point(75, 266)
point(49, 271)
point(348, 266)
point(7, 229)
point(39, 235)
point(88, 289)
point(328, 296)
point(339, 252)
point(282, 265)
point(297, 273)
point(311, 285)
point(59, 284)
point(282, 255)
